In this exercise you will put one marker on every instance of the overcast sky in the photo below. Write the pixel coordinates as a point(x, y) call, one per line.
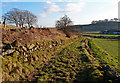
point(80, 11)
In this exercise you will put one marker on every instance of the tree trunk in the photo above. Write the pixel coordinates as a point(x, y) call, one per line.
point(5, 23)
point(22, 25)
point(16, 25)
point(28, 25)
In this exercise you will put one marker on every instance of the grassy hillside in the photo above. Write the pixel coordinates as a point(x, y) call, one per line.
point(98, 26)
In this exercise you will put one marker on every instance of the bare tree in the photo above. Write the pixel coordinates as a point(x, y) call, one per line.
point(20, 17)
point(93, 22)
point(106, 20)
point(12, 16)
point(115, 19)
point(63, 23)
point(30, 18)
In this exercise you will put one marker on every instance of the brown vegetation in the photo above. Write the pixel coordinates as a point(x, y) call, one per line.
point(36, 34)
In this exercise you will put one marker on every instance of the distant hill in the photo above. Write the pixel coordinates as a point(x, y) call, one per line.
point(100, 26)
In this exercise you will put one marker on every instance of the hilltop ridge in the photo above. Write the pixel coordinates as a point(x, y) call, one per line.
point(101, 26)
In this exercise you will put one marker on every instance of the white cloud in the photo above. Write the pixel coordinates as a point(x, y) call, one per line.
point(60, 0)
point(52, 8)
point(48, 2)
point(70, 7)
point(15, 0)
point(42, 15)
point(74, 7)
point(108, 14)
point(111, 1)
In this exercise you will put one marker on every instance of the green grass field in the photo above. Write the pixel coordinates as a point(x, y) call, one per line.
point(98, 34)
point(110, 46)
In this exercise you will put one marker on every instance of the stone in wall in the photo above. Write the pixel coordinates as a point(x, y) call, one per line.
point(30, 46)
point(8, 52)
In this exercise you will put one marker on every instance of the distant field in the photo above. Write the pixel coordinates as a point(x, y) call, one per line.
point(110, 46)
point(98, 34)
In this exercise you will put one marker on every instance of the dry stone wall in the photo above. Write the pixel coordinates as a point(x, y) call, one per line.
point(22, 61)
